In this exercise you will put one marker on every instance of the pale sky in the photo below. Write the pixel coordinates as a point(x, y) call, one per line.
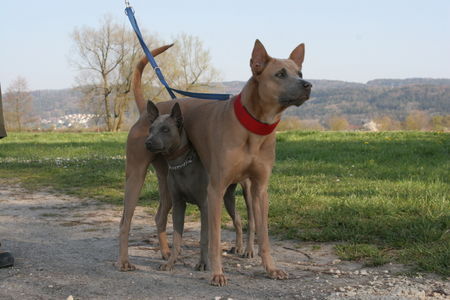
point(345, 40)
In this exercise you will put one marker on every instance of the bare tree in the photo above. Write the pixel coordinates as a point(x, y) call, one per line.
point(106, 58)
point(18, 104)
point(186, 66)
point(99, 55)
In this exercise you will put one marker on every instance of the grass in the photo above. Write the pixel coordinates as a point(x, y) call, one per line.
point(382, 196)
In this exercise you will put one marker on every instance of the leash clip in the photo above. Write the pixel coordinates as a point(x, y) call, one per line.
point(127, 3)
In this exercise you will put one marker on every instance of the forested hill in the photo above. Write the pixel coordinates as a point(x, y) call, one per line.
point(360, 102)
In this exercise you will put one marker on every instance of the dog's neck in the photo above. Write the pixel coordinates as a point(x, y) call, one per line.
point(260, 110)
point(179, 153)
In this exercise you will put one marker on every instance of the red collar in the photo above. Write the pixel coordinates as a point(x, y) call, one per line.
point(249, 122)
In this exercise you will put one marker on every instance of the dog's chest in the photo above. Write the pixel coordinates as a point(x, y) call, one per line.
point(189, 183)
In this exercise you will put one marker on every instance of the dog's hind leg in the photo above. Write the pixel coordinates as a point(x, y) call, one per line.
point(230, 205)
point(135, 176)
point(165, 204)
point(203, 262)
point(246, 190)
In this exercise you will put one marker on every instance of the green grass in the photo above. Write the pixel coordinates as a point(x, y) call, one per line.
point(382, 196)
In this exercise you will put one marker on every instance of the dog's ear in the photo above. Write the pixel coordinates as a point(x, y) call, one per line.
point(176, 115)
point(259, 59)
point(298, 55)
point(152, 111)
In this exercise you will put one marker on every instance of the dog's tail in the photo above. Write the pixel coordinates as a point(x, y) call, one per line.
point(137, 86)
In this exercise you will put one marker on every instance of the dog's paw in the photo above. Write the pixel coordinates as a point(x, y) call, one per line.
point(201, 266)
point(125, 266)
point(277, 274)
point(166, 267)
point(248, 253)
point(219, 280)
point(165, 254)
point(236, 250)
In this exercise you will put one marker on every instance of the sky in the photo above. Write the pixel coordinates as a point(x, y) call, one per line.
point(345, 40)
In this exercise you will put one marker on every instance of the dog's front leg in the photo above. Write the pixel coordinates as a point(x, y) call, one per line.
point(179, 209)
point(260, 202)
point(215, 198)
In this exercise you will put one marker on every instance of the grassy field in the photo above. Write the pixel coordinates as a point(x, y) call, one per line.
point(382, 196)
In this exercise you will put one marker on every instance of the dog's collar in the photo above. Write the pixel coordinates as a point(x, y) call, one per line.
point(189, 154)
point(249, 122)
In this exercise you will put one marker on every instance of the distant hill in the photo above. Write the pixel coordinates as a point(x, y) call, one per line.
point(358, 102)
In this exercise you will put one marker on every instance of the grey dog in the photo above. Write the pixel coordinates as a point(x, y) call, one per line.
point(187, 180)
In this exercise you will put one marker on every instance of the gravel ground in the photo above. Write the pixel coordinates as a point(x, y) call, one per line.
point(65, 248)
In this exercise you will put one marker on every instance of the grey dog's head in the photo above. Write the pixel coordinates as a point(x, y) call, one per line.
point(280, 81)
point(165, 130)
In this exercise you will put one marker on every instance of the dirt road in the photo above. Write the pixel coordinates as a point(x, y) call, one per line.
point(65, 248)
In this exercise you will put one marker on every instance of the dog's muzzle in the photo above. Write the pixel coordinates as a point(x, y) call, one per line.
point(296, 94)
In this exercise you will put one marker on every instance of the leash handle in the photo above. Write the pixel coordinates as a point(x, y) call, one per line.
point(130, 14)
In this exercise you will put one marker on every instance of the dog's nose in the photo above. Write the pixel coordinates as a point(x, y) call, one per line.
point(307, 85)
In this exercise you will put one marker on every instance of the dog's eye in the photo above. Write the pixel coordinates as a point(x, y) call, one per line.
point(165, 129)
point(300, 74)
point(281, 74)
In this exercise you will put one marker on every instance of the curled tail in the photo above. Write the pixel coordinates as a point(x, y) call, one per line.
point(137, 86)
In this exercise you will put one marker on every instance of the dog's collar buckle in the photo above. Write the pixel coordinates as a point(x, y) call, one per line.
point(249, 122)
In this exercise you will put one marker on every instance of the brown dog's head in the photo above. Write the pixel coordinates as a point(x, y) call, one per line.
point(165, 130)
point(280, 81)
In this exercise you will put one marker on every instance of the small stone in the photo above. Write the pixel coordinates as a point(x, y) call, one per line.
point(70, 297)
point(238, 265)
point(356, 272)
point(217, 298)
point(50, 286)
point(247, 266)
point(341, 289)
point(364, 272)
point(335, 261)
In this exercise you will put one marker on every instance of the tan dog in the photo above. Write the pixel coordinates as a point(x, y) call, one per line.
point(229, 151)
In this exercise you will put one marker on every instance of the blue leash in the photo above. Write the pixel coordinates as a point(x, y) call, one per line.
point(130, 13)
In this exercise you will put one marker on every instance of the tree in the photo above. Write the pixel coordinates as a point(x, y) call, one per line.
point(441, 123)
point(338, 123)
point(100, 54)
point(18, 104)
point(386, 123)
point(417, 120)
point(186, 66)
point(106, 58)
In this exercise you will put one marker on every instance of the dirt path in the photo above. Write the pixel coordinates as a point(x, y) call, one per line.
point(65, 247)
